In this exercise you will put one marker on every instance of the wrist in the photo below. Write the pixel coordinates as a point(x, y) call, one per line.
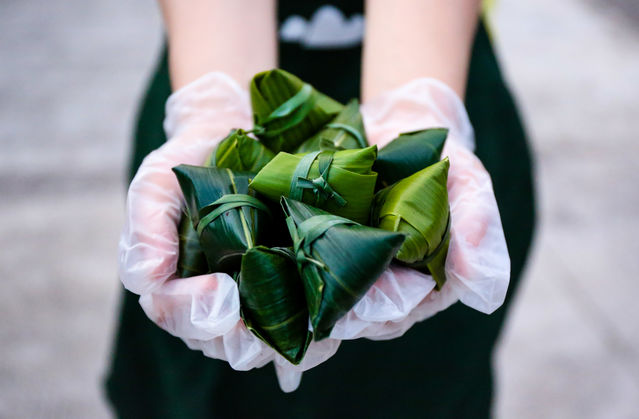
point(211, 104)
point(419, 104)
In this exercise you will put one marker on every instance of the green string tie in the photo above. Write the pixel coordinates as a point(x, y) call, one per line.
point(295, 109)
point(226, 203)
point(309, 230)
point(350, 130)
point(440, 247)
point(320, 187)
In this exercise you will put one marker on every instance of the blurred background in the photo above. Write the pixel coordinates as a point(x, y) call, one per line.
point(70, 75)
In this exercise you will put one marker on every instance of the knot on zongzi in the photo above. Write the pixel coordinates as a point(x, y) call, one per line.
point(338, 260)
point(408, 154)
point(340, 182)
point(273, 302)
point(322, 190)
point(286, 111)
point(417, 206)
point(344, 132)
point(240, 153)
point(226, 215)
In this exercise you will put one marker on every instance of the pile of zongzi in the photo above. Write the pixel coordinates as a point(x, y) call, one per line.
point(305, 215)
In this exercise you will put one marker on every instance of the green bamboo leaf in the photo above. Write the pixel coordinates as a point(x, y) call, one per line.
point(409, 153)
point(286, 111)
point(273, 302)
point(228, 218)
point(237, 152)
point(346, 131)
point(191, 259)
point(241, 153)
point(338, 259)
point(340, 182)
point(417, 206)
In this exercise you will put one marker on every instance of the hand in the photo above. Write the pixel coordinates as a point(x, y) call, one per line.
point(477, 266)
point(204, 311)
point(201, 308)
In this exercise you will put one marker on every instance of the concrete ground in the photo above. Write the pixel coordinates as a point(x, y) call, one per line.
point(70, 76)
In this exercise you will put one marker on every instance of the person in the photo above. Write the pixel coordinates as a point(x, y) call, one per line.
point(440, 368)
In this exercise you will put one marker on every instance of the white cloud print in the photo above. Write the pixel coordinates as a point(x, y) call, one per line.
point(328, 28)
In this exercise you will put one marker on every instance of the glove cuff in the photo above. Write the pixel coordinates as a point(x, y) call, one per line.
point(419, 104)
point(211, 100)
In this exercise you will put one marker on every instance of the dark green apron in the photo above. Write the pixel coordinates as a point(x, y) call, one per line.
point(441, 368)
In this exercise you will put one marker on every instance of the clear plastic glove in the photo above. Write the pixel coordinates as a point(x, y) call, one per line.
point(477, 265)
point(204, 310)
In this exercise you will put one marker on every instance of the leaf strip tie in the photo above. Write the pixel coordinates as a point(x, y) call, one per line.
point(297, 107)
point(301, 171)
point(437, 251)
point(314, 227)
point(320, 187)
point(228, 202)
point(350, 130)
point(300, 256)
point(310, 230)
point(326, 144)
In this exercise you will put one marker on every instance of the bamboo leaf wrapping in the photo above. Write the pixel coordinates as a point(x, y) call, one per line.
point(338, 260)
point(408, 154)
point(287, 111)
point(341, 182)
point(241, 153)
point(191, 259)
point(273, 302)
point(417, 206)
point(228, 218)
point(327, 190)
point(346, 131)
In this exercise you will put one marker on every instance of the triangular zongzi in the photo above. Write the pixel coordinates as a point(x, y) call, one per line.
point(344, 132)
point(241, 153)
point(287, 111)
point(409, 153)
point(417, 206)
point(273, 302)
point(225, 213)
point(341, 182)
point(338, 260)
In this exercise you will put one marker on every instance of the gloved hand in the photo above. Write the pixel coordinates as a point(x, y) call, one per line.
point(477, 265)
point(204, 311)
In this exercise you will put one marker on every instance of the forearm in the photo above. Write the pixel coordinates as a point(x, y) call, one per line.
point(237, 37)
point(407, 39)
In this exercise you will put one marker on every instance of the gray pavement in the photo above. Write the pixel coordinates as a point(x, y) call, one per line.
point(70, 76)
point(571, 346)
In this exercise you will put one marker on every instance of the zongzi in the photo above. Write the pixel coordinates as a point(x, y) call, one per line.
point(409, 153)
point(225, 213)
point(338, 260)
point(417, 206)
point(344, 132)
point(287, 111)
point(341, 182)
point(241, 153)
point(191, 259)
point(273, 302)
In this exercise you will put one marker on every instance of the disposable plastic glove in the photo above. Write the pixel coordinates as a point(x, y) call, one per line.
point(477, 266)
point(204, 311)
